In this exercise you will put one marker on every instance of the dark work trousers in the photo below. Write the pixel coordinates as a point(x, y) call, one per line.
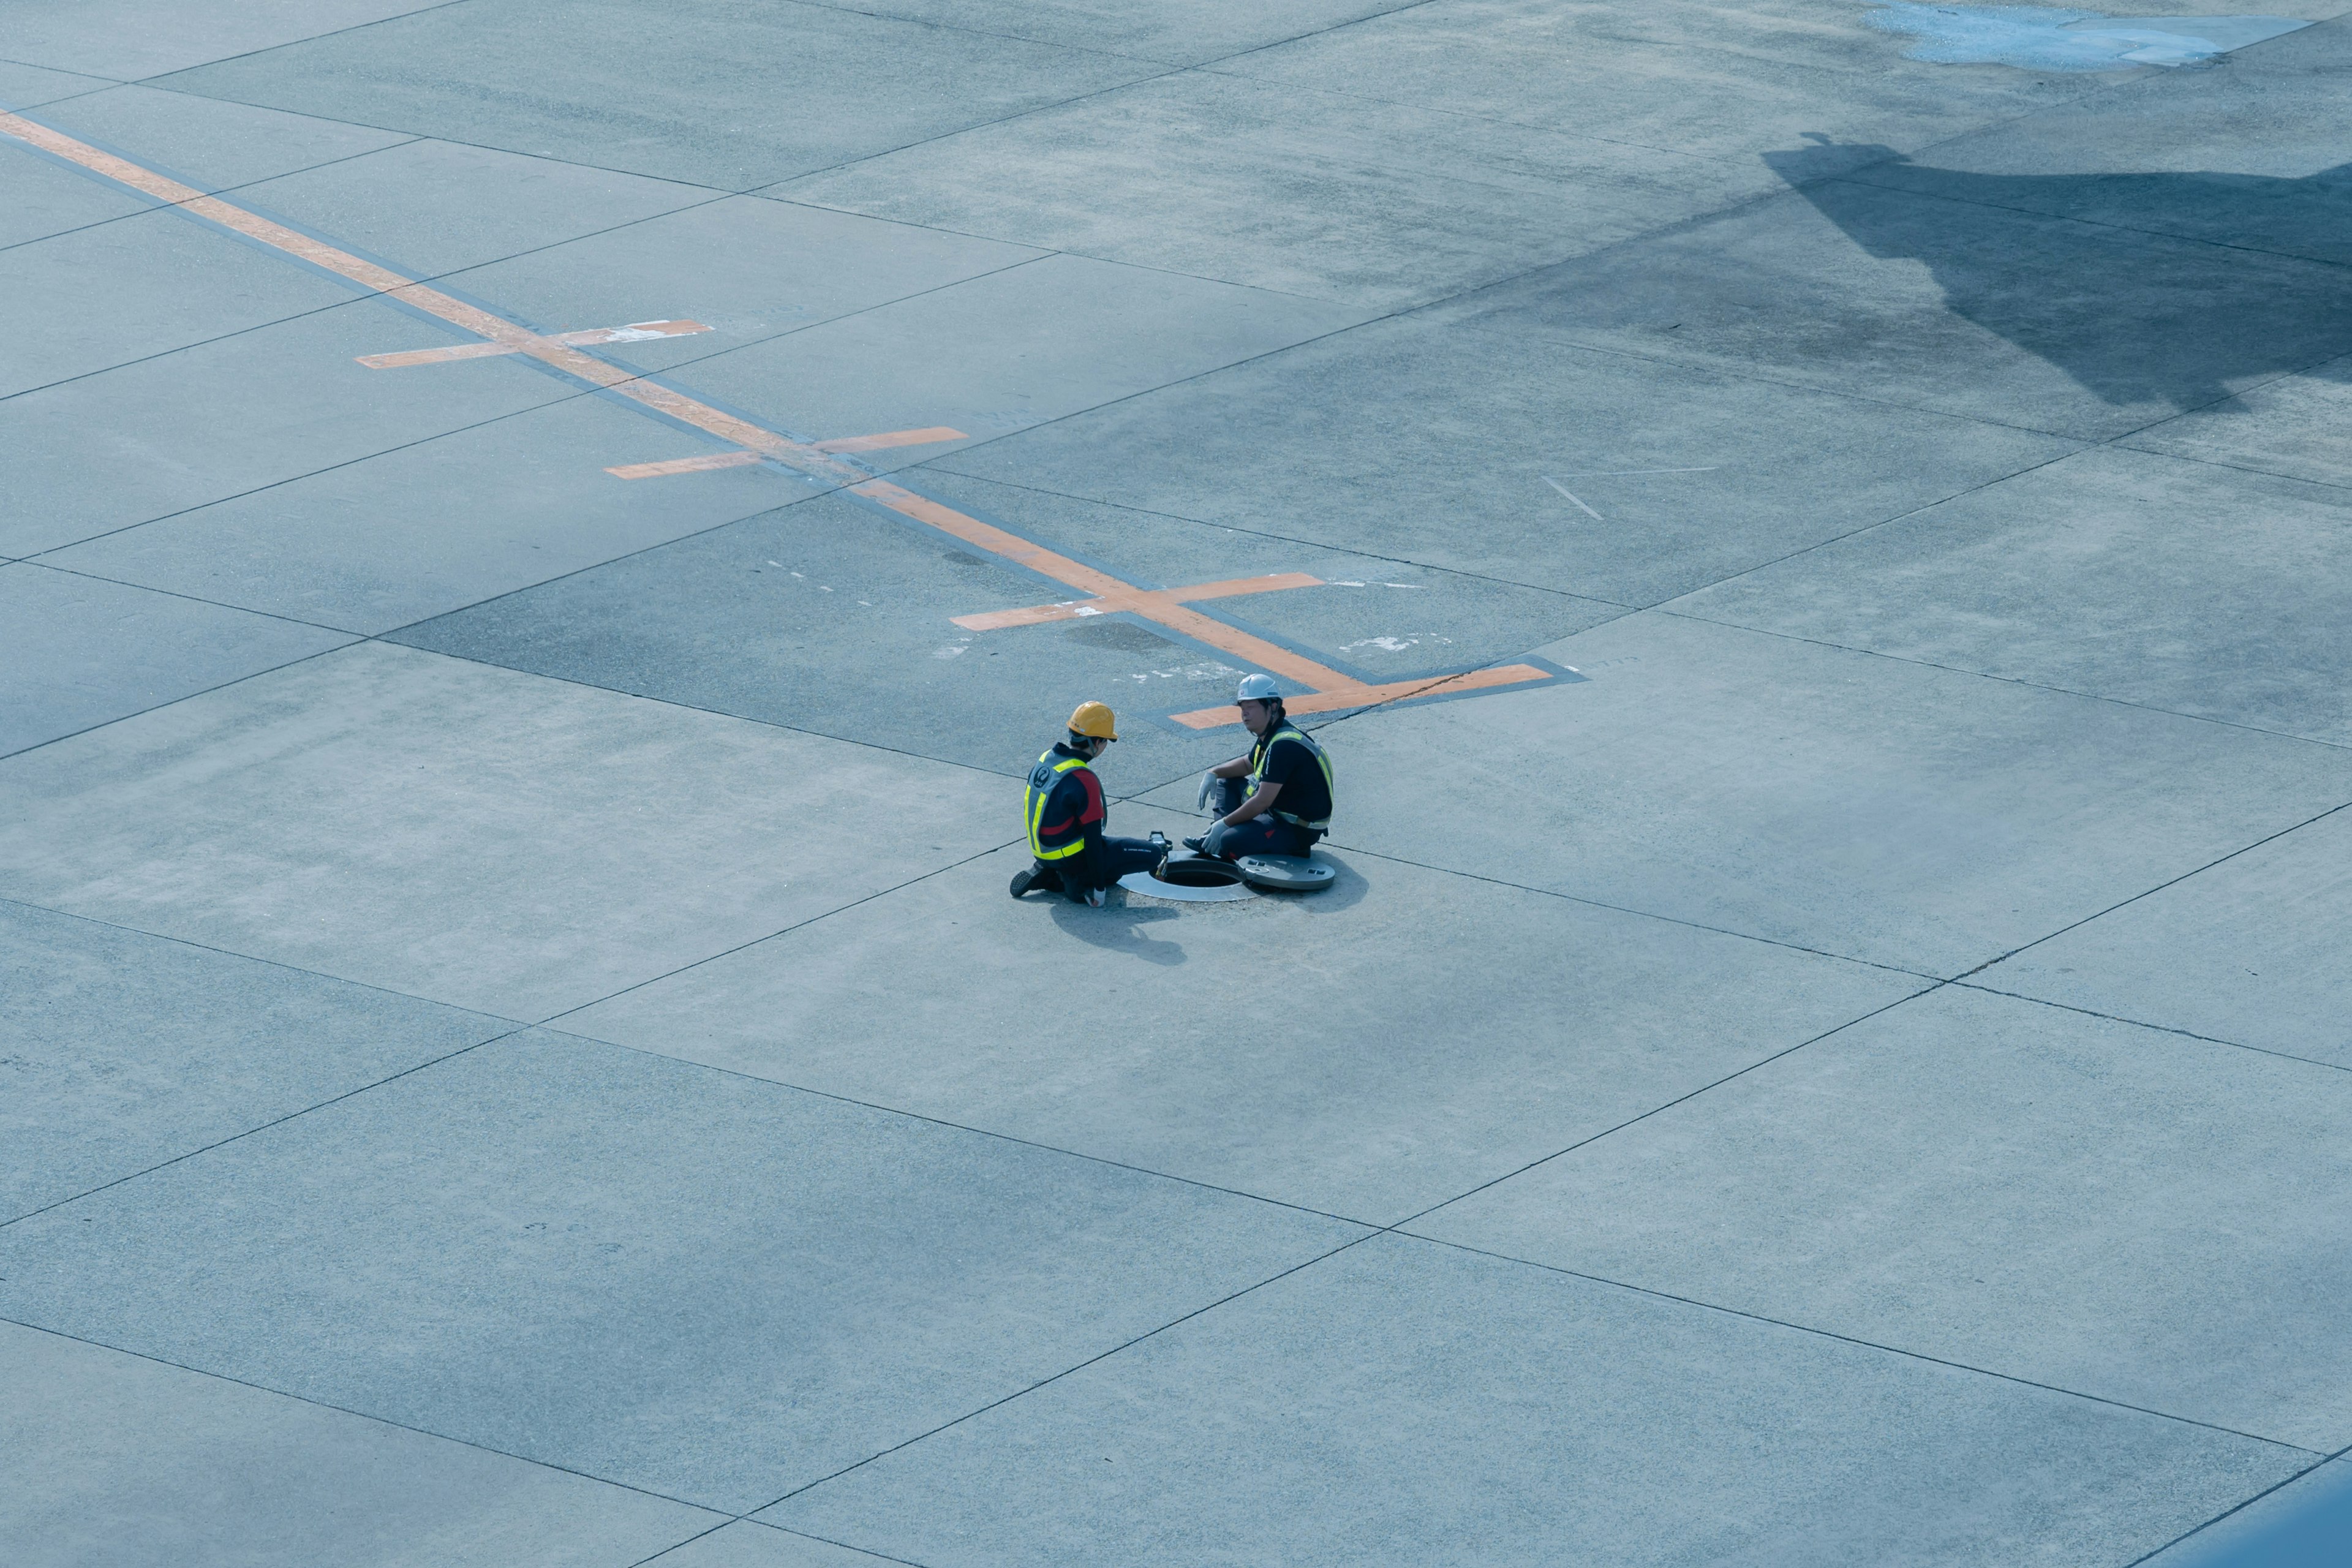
point(1103, 863)
point(1265, 834)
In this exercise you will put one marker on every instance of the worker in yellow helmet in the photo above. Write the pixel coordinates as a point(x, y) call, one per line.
point(1063, 811)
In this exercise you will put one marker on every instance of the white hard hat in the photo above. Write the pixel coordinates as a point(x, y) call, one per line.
point(1257, 688)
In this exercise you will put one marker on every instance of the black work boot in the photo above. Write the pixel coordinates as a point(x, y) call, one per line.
point(1042, 877)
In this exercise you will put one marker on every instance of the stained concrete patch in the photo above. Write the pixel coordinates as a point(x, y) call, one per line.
point(2250, 951)
point(1430, 445)
point(1407, 1404)
point(2083, 1203)
point(121, 1461)
point(1348, 1095)
point(684, 1280)
point(1840, 801)
point(1310, 192)
point(2288, 426)
point(836, 618)
point(424, 529)
point(727, 97)
point(183, 429)
point(77, 652)
point(97, 297)
point(2178, 585)
point(121, 1050)
point(493, 840)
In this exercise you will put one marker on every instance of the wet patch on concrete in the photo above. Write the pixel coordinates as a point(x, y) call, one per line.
point(2047, 39)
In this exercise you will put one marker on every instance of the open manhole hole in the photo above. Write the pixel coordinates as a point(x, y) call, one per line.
point(1191, 880)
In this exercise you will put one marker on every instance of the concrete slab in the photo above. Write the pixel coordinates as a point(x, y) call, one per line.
point(747, 1543)
point(488, 839)
point(46, 198)
point(1946, 301)
point(30, 87)
point(176, 431)
point(1835, 800)
point(745, 266)
point(117, 1459)
point(1406, 1403)
point(77, 652)
point(126, 1050)
point(2300, 1525)
point(1316, 194)
point(1345, 1092)
point(839, 618)
point(1697, 79)
point(450, 520)
point(208, 143)
point(730, 97)
point(431, 207)
point(2247, 950)
point(127, 39)
point(2284, 425)
point(680, 1280)
point(2079, 1202)
point(101, 297)
point(1187, 35)
point(1007, 349)
point(2082, 575)
point(1432, 445)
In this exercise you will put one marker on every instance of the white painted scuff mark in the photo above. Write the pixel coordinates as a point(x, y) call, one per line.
point(1207, 671)
point(2042, 38)
point(1397, 644)
point(949, 651)
point(1572, 496)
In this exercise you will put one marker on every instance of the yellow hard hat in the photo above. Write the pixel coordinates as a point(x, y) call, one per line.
point(1093, 719)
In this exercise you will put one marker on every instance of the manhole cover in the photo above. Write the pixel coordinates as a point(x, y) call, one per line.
point(1286, 873)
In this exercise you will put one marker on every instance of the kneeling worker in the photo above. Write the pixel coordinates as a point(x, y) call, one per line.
point(1064, 814)
point(1277, 799)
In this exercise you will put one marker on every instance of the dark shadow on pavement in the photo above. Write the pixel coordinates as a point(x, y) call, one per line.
point(1119, 927)
point(2132, 302)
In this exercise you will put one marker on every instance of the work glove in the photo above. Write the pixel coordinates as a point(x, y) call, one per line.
point(1207, 792)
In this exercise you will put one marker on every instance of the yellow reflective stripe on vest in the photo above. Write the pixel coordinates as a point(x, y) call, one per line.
point(1321, 757)
point(1038, 800)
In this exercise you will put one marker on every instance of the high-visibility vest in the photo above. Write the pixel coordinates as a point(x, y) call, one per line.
point(1043, 778)
point(1257, 762)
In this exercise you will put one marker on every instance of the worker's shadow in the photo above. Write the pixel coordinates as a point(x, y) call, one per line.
point(2154, 295)
point(1119, 927)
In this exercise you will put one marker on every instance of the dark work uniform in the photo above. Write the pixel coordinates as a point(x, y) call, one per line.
point(1288, 757)
point(1063, 809)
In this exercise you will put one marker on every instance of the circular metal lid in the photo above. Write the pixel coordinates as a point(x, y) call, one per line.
point(1287, 873)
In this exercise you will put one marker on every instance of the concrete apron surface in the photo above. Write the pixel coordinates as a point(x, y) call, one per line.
point(538, 537)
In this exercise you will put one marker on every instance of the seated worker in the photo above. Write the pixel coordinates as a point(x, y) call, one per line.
point(1277, 799)
point(1063, 811)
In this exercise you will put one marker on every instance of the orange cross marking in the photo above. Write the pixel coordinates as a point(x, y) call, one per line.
point(1329, 690)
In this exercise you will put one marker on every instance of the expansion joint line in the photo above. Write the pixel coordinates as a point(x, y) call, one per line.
point(826, 462)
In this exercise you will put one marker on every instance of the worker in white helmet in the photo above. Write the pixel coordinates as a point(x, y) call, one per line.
point(1276, 800)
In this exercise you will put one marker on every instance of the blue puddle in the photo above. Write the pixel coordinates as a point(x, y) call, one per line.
point(2040, 38)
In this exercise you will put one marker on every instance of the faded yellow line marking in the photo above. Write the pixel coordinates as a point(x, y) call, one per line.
point(892, 439)
point(1331, 689)
point(687, 464)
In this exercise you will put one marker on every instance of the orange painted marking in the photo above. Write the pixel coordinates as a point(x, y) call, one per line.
point(1359, 696)
point(1332, 690)
point(635, 332)
point(687, 464)
point(1141, 601)
point(892, 439)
